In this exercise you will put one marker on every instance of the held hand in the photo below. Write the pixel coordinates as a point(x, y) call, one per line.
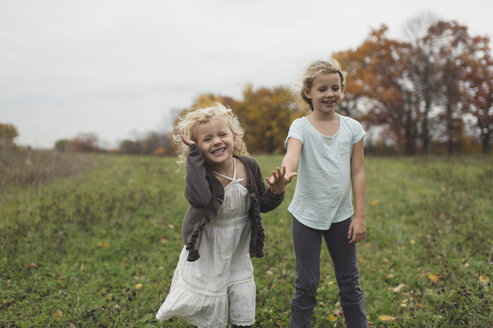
point(185, 140)
point(357, 231)
point(278, 181)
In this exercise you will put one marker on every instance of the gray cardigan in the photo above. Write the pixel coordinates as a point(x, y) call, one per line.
point(205, 194)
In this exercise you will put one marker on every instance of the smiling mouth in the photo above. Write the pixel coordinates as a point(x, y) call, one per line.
point(219, 151)
point(329, 102)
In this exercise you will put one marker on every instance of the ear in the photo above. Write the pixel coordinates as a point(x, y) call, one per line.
point(306, 93)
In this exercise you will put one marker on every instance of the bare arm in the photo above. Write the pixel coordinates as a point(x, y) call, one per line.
point(357, 230)
point(290, 160)
point(280, 178)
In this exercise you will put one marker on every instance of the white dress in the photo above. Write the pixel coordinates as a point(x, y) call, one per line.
point(219, 286)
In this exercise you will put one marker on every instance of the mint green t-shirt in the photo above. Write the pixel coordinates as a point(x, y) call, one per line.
point(323, 188)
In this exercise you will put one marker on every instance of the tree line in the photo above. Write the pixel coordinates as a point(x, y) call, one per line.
point(435, 90)
point(153, 143)
point(430, 94)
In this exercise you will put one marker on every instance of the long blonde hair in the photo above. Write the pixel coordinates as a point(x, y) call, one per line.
point(190, 121)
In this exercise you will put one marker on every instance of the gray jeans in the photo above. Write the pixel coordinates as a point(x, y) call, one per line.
point(307, 246)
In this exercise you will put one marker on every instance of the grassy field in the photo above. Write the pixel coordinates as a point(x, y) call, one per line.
point(98, 248)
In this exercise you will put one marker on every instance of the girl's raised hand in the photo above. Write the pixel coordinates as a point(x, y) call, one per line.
point(279, 179)
point(185, 140)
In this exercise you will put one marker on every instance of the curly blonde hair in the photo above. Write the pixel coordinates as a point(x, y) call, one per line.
point(191, 120)
point(320, 66)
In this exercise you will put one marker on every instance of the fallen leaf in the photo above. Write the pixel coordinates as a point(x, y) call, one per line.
point(384, 317)
point(484, 279)
point(412, 241)
point(138, 286)
point(332, 317)
point(374, 202)
point(389, 276)
point(4, 301)
point(57, 314)
point(398, 288)
point(435, 278)
point(105, 244)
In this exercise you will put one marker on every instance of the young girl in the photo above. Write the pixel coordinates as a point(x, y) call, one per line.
point(329, 149)
point(213, 282)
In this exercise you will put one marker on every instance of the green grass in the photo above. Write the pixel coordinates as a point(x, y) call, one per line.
point(98, 249)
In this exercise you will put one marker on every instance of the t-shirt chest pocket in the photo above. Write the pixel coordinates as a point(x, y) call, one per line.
point(344, 147)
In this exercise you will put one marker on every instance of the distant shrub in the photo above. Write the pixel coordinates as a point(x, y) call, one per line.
point(19, 166)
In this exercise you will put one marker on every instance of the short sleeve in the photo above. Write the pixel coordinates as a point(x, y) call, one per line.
point(357, 131)
point(295, 131)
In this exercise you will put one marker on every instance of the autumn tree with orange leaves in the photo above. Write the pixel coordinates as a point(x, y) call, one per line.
point(420, 91)
point(376, 72)
point(266, 114)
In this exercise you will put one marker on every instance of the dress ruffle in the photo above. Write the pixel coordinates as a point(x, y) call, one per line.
point(207, 309)
point(193, 305)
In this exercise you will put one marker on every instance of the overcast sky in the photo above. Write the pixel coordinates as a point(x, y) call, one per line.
point(120, 68)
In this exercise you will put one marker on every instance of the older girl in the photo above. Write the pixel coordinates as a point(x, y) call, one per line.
point(329, 149)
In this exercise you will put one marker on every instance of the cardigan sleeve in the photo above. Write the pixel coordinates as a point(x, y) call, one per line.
point(197, 190)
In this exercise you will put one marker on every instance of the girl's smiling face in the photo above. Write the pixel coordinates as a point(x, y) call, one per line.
point(215, 141)
point(325, 92)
